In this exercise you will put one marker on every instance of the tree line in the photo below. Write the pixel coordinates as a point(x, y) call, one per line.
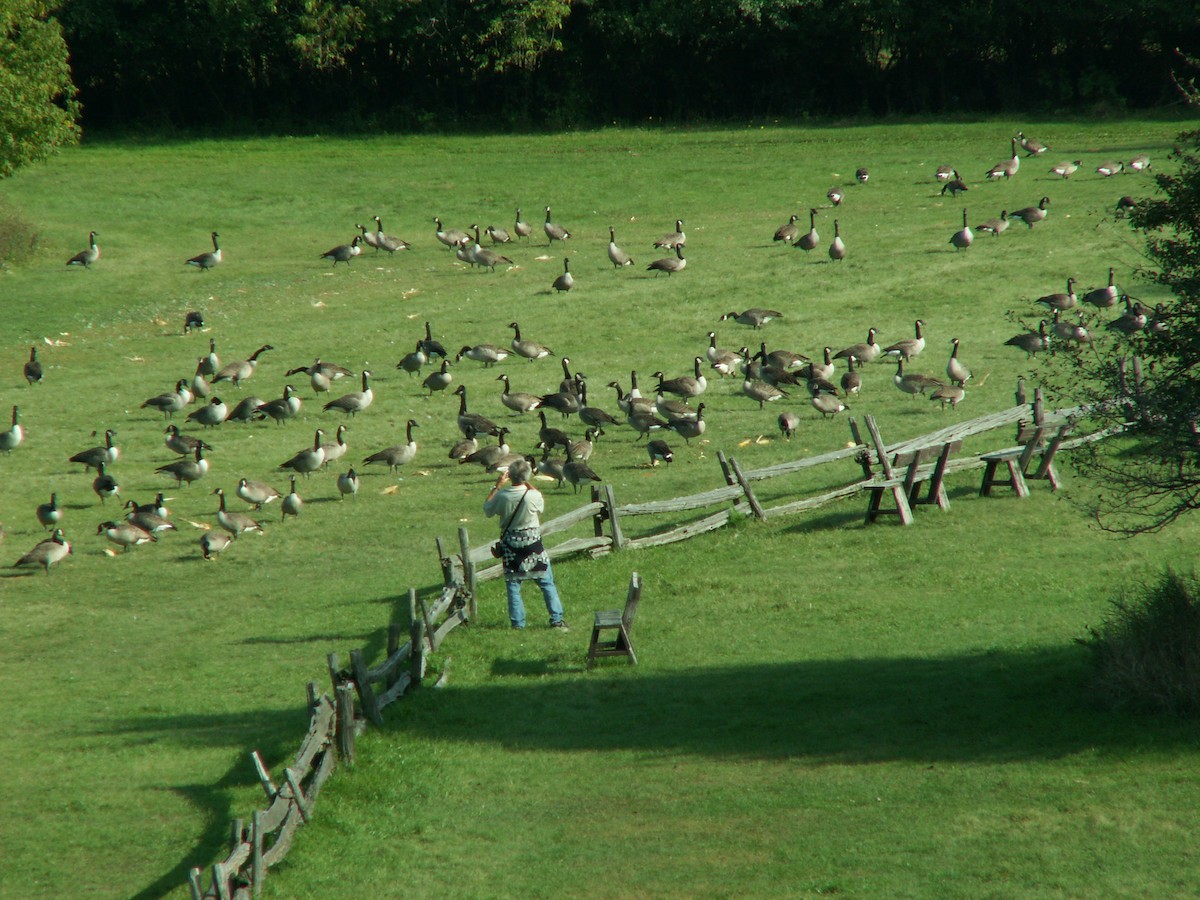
point(412, 64)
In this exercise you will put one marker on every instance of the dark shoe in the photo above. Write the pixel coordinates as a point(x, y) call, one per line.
point(561, 626)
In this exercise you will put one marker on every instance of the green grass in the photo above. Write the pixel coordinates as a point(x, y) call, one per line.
point(884, 711)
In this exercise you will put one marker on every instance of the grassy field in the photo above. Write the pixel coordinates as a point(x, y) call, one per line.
point(820, 706)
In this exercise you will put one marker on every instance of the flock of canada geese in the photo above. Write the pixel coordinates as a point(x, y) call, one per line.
point(672, 407)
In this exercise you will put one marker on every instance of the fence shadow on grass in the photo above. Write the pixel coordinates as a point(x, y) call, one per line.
point(1003, 706)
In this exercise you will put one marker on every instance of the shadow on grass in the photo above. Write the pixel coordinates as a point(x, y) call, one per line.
point(989, 707)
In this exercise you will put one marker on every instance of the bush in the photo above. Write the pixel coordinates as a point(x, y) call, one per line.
point(1146, 655)
point(18, 237)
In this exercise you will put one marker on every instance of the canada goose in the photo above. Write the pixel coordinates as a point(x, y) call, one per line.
point(531, 350)
point(1108, 169)
point(125, 534)
point(33, 370)
point(564, 401)
point(308, 460)
point(1030, 146)
point(909, 347)
point(239, 370)
point(1031, 341)
point(957, 371)
point(256, 493)
point(282, 408)
point(355, 401)
point(1008, 168)
point(206, 261)
point(520, 228)
point(369, 238)
point(213, 543)
point(755, 317)
point(670, 264)
point(643, 421)
point(211, 415)
point(291, 504)
point(788, 232)
point(685, 385)
point(1070, 332)
point(1125, 205)
point(169, 404)
point(553, 231)
point(837, 249)
point(1160, 322)
point(659, 451)
point(1132, 320)
point(465, 447)
point(672, 239)
point(247, 410)
point(810, 239)
point(1060, 301)
point(862, 175)
point(582, 450)
point(399, 454)
point(628, 404)
point(342, 252)
point(862, 353)
point(337, 448)
point(211, 363)
point(236, 523)
point(1140, 163)
point(488, 354)
point(955, 185)
point(347, 483)
point(388, 242)
point(851, 381)
point(86, 257)
point(200, 387)
point(1031, 215)
point(566, 280)
point(949, 393)
point(672, 410)
point(578, 472)
point(996, 226)
point(485, 257)
point(835, 195)
point(412, 362)
point(490, 454)
point(143, 516)
point(825, 369)
point(964, 238)
point(107, 454)
point(49, 513)
point(788, 423)
point(431, 347)
point(690, 428)
point(104, 484)
point(730, 362)
point(498, 235)
point(439, 380)
point(551, 436)
point(451, 237)
point(593, 415)
point(1104, 297)
point(761, 392)
point(828, 405)
point(616, 255)
point(519, 401)
point(47, 553)
point(913, 383)
point(1065, 170)
point(943, 174)
point(465, 251)
point(12, 437)
point(480, 424)
point(188, 469)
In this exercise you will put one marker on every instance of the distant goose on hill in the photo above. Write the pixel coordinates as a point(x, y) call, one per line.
point(93, 456)
point(480, 424)
point(1032, 342)
point(368, 237)
point(1104, 297)
point(488, 354)
point(1061, 300)
point(292, 504)
point(412, 362)
point(125, 534)
point(169, 404)
point(187, 470)
point(355, 401)
point(282, 408)
point(498, 235)
point(49, 514)
point(206, 261)
point(554, 232)
point(963, 238)
point(956, 370)
point(213, 543)
point(337, 448)
point(211, 415)
point(789, 231)
point(104, 484)
point(954, 185)
point(531, 350)
point(672, 239)
point(521, 229)
point(47, 553)
point(517, 401)
point(451, 237)
point(566, 280)
point(400, 454)
point(308, 460)
point(388, 242)
point(439, 380)
point(670, 264)
point(1030, 146)
point(995, 227)
point(755, 317)
point(616, 255)
point(236, 523)
point(33, 370)
point(862, 353)
point(348, 483)
point(343, 252)
point(1065, 170)
point(908, 348)
point(1031, 215)
point(809, 240)
point(1008, 168)
point(86, 257)
point(256, 493)
point(837, 249)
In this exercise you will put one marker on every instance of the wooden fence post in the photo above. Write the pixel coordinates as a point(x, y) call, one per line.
point(345, 723)
point(395, 630)
point(264, 777)
point(469, 583)
point(755, 506)
point(610, 503)
point(366, 693)
point(416, 659)
point(598, 518)
point(257, 839)
point(335, 670)
point(725, 473)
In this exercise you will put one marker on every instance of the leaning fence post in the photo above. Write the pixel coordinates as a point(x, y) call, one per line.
point(464, 545)
point(416, 658)
point(598, 518)
point(345, 723)
point(335, 676)
point(726, 474)
point(366, 693)
point(755, 506)
point(618, 537)
point(395, 629)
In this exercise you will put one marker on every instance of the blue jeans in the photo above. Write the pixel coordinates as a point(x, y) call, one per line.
point(516, 606)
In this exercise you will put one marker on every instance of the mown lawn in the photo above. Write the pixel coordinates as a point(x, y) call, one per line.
point(820, 706)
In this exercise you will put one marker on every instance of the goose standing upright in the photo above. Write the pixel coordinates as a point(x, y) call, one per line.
point(211, 364)
point(368, 237)
point(86, 257)
point(388, 242)
point(412, 362)
point(451, 237)
point(292, 504)
point(553, 231)
point(236, 523)
point(616, 255)
point(432, 347)
point(521, 228)
point(108, 454)
point(342, 252)
point(1031, 215)
point(347, 483)
point(33, 370)
point(12, 437)
point(517, 401)
point(104, 484)
point(480, 424)
point(47, 553)
point(282, 408)
point(862, 353)
point(439, 380)
point(169, 404)
point(51, 513)
point(1060, 301)
point(337, 448)
point(398, 455)
point(1031, 341)
point(308, 460)
point(355, 401)
point(956, 370)
point(964, 238)
point(206, 261)
point(672, 239)
point(789, 231)
point(211, 415)
point(187, 470)
point(566, 280)
point(837, 249)
point(1104, 297)
point(531, 350)
point(907, 348)
point(809, 240)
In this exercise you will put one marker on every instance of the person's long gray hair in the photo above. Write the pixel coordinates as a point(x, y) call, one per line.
point(519, 471)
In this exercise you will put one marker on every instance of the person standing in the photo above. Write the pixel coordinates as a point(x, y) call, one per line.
point(518, 505)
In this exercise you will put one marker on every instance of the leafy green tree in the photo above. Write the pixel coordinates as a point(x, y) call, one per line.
point(38, 110)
